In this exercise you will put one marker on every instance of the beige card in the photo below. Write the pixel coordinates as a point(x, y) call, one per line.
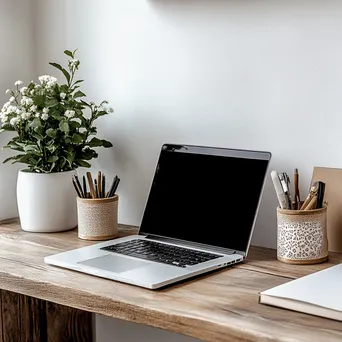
point(332, 177)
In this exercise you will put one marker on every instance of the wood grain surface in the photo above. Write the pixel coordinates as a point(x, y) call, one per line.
point(221, 306)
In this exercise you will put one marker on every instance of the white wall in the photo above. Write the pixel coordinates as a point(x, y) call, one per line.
point(248, 74)
point(16, 63)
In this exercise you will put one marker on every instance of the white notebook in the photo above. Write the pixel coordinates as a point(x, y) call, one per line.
point(319, 294)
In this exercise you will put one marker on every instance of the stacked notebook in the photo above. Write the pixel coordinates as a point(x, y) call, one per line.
point(317, 294)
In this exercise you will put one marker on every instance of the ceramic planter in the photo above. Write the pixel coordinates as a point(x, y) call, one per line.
point(46, 201)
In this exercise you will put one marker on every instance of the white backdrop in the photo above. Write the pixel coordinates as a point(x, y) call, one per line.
point(247, 74)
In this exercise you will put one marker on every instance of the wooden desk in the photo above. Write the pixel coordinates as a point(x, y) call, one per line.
point(46, 303)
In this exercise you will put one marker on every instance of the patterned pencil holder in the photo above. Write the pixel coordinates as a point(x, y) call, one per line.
point(302, 236)
point(97, 218)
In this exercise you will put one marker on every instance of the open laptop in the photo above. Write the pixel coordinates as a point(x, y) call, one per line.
point(199, 216)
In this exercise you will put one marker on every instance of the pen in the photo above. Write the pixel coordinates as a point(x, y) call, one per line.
point(283, 183)
point(99, 184)
point(296, 189)
point(112, 186)
point(85, 192)
point(103, 195)
point(96, 189)
point(279, 189)
point(79, 186)
point(115, 187)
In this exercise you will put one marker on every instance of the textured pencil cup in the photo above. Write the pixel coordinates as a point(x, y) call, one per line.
point(302, 236)
point(97, 218)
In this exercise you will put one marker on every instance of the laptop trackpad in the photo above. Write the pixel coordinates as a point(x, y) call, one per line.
point(113, 263)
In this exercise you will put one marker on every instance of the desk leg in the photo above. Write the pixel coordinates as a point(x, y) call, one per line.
point(28, 319)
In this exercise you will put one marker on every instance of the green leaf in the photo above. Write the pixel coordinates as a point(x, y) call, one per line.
point(31, 148)
point(79, 81)
point(14, 146)
point(51, 133)
point(52, 102)
point(79, 94)
point(39, 100)
point(37, 136)
point(51, 148)
point(106, 143)
point(56, 65)
point(70, 156)
point(35, 123)
point(6, 127)
point(69, 53)
point(74, 124)
point(52, 166)
point(95, 142)
point(64, 127)
point(59, 67)
point(83, 163)
point(76, 139)
point(52, 159)
point(56, 116)
point(10, 158)
point(88, 154)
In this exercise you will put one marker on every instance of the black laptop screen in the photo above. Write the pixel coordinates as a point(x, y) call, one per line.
point(205, 195)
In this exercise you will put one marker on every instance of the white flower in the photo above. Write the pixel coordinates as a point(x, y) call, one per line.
point(12, 99)
point(33, 108)
point(32, 92)
point(62, 96)
point(18, 111)
point(74, 62)
point(46, 110)
point(45, 116)
point(12, 109)
point(69, 114)
point(18, 83)
point(47, 80)
point(8, 91)
point(14, 121)
point(37, 115)
point(4, 118)
point(25, 116)
point(23, 90)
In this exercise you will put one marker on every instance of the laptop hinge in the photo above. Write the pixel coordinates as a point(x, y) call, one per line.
point(192, 244)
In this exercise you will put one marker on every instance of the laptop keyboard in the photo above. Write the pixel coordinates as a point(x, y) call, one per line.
point(163, 253)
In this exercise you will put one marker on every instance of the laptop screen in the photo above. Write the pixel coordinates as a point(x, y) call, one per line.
point(206, 195)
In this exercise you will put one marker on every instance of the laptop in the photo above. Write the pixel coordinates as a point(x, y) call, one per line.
point(199, 217)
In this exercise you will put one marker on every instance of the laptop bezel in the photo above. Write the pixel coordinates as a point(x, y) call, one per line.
point(228, 152)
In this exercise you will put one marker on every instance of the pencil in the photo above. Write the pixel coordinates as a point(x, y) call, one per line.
point(91, 185)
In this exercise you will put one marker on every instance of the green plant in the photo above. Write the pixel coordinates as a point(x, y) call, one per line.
point(54, 126)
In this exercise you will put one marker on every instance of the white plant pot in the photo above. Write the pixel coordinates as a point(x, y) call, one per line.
point(46, 201)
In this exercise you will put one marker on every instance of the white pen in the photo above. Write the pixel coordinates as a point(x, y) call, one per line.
point(279, 190)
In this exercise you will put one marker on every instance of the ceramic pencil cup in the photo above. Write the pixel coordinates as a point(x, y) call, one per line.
point(97, 218)
point(302, 236)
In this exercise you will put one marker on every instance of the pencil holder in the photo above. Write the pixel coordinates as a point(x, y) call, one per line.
point(97, 218)
point(302, 236)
